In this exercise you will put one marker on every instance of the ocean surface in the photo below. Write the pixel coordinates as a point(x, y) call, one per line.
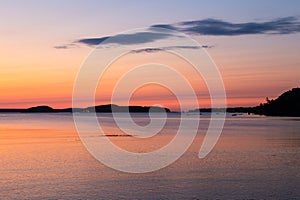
point(256, 157)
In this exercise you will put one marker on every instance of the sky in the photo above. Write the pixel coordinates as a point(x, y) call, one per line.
point(43, 44)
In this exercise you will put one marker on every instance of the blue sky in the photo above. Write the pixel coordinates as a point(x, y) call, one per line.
point(110, 16)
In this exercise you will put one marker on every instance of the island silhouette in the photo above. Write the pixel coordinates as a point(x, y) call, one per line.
point(287, 104)
point(99, 109)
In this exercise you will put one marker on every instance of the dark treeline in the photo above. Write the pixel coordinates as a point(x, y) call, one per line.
point(99, 109)
point(115, 108)
point(287, 104)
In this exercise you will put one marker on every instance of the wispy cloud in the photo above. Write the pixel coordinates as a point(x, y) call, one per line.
point(215, 27)
point(66, 46)
point(152, 50)
point(61, 47)
point(92, 41)
point(287, 25)
point(127, 39)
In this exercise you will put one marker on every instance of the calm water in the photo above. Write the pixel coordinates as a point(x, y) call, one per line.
point(42, 157)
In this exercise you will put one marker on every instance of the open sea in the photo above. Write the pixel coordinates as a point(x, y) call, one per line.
point(256, 157)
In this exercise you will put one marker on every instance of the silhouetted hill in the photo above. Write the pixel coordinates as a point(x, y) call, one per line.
point(287, 104)
point(115, 108)
point(46, 109)
point(39, 109)
point(99, 109)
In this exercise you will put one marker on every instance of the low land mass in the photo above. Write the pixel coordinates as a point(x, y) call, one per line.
point(287, 104)
point(99, 109)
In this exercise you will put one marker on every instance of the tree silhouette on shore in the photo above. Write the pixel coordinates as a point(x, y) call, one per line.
point(287, 104)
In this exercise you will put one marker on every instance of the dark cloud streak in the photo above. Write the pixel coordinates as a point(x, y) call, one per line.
point(61, 47)
point(92, 41)
point(214, 27)
point(66, 46)
point(152, 50)
point(287, 25)
point(126, 39)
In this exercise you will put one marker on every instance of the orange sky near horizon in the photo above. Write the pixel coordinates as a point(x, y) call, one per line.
point(38, 78)
point(33, 72)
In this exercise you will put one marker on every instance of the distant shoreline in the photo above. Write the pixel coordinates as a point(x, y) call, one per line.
point(109, 108)
point(287, 104)
point(115, 108)
point(233, 110)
